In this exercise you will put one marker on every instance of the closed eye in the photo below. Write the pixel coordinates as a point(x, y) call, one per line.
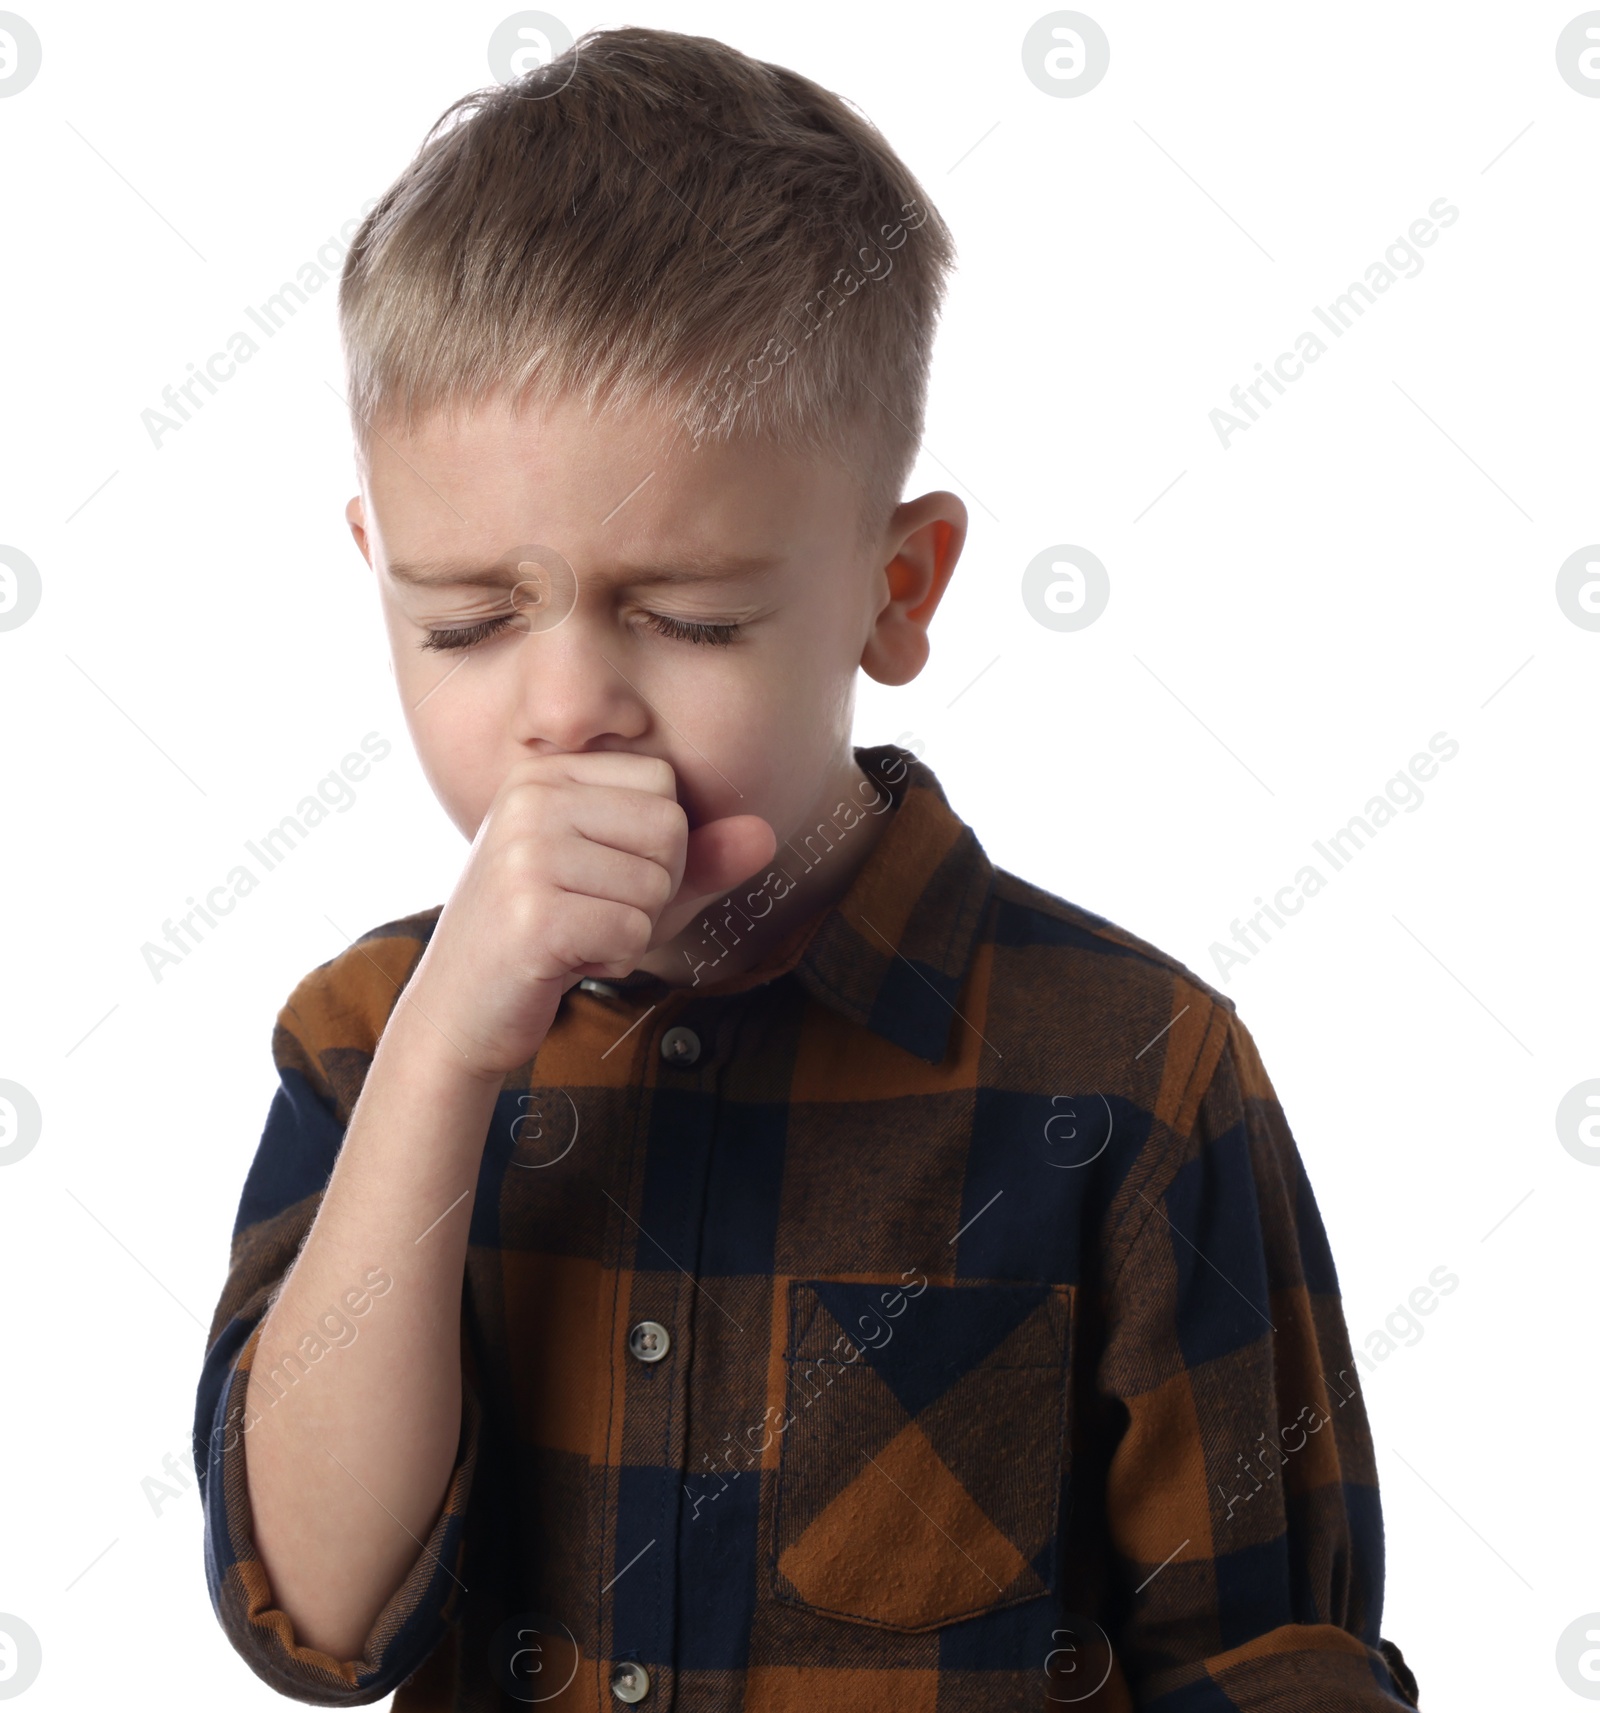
point(679, 630)
point(687, 630)
point(465, 636)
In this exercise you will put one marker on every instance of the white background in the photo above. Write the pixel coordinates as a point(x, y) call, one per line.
point(1289, 622)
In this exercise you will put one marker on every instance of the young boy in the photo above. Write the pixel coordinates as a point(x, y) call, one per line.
point(743, 1250)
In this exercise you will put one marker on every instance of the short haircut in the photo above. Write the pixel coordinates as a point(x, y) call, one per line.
point(656, 219)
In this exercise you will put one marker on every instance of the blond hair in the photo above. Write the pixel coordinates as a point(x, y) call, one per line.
point(656, 219)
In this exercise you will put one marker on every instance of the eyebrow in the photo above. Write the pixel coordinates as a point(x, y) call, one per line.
point(690, 566)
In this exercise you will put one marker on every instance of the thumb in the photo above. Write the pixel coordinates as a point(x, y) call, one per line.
point(722, 853)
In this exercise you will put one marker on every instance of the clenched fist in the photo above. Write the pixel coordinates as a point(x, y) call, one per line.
point(583, 862)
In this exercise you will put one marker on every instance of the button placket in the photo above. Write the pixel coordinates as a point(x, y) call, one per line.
point(652, 1615)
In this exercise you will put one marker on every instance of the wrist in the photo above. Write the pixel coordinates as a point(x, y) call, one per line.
point(432, 1052)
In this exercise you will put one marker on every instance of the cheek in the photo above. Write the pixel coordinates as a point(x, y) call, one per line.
point(453, 774)
point(772, 738)
point(776, 704)
point(457, 731)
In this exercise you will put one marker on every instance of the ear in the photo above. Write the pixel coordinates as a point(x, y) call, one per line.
point(926, 537)
point(355, 514)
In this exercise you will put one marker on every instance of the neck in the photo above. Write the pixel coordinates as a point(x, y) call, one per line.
point(816, 861)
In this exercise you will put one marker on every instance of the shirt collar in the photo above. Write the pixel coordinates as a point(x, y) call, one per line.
point(892, 954)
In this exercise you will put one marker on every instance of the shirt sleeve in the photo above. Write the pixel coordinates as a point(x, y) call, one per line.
point(1242, 1493)
point(304, 1130)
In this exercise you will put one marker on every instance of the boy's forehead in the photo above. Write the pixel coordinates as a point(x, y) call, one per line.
point(553, 438)
point(676, 565)
point(454, 490)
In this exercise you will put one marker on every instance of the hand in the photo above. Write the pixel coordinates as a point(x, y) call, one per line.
point(582, 863)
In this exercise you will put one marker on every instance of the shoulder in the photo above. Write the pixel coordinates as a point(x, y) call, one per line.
point(330, 1025)
point(1093, 949)
point(1086, 1001)
point(1084, 1007)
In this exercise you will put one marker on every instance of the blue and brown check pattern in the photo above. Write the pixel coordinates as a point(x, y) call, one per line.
point(1004, 1364)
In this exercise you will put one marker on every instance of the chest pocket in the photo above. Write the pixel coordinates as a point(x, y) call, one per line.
point(920, 1475)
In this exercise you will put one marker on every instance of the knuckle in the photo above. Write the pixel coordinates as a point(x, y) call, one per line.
point(526, 915)
point(672, 819)
point(521, 861)
point(635, 930)
point(661, 886)
point(525, 804)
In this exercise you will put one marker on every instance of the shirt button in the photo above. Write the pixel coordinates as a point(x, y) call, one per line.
point(649, 1340)
point(630, 1681)
point(680, 1046)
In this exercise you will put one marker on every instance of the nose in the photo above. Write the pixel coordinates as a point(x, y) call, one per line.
point(569, 695)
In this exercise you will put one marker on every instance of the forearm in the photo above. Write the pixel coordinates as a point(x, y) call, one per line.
point(349, 1452)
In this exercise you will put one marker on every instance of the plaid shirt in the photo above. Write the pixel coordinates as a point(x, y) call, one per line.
point(935, 1317)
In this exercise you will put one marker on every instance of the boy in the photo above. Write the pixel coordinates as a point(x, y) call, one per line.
point(743, 1250)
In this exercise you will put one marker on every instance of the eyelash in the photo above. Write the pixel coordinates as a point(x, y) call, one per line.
point(678, 630)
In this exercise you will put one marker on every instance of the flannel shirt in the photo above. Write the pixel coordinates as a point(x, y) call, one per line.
point(935, 1317)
